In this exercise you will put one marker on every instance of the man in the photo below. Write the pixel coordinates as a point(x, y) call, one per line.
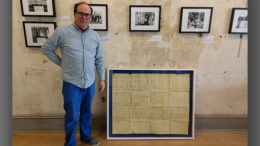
point(80, 52)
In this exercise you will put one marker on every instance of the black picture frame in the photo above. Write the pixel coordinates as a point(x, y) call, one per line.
point(144, 18)
point(38, 8)
point(36, 33)
point(239, 21)
point(123, 103)
point(188, 24)
point(99, 20)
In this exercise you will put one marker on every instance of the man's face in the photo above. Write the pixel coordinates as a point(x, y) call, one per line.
point(82, 16)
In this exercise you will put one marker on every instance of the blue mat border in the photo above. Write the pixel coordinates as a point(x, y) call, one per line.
point(111, 72)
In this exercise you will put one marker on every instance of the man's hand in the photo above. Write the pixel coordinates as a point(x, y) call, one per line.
point(101, 85)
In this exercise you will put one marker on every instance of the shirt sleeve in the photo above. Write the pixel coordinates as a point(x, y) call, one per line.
point(99, 61)
point(52, 44)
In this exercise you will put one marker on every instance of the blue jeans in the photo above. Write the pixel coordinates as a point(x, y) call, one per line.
point(77, 105)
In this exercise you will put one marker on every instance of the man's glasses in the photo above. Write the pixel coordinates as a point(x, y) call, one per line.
point(81, 14)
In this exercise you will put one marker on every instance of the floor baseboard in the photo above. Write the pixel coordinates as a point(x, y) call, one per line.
point(56, 124)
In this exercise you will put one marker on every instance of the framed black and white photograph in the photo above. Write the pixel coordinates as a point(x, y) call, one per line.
point(195, 19)
point(36, 8)
point(239, 21)
point(36, 33)
point(144, 18)
point(99, 17)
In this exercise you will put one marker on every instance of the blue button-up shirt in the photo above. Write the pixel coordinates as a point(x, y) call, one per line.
point(80, 53)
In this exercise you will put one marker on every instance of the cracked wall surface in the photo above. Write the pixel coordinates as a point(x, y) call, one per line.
point(220, 59)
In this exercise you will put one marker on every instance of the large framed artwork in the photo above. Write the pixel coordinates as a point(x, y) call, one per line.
point(36, 33)
point(195, 19)
point(36, 8)
point(144, 18)
point(99, 17)
point(150, 104)
point(239, 21)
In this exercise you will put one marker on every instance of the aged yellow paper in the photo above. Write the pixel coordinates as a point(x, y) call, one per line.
point(150, 103)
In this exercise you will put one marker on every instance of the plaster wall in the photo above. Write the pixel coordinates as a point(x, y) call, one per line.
point(220, 59)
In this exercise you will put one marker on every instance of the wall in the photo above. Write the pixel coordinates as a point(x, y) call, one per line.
point(221, 63)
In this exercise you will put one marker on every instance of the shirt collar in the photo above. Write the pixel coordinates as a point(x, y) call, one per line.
point(80, 29)
point(83, 30)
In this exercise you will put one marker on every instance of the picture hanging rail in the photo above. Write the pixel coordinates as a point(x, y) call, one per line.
point(36, 8)
point(36, 33)
point(195, 19)
point(150, 104)
point(99, 17)
point(144, 18)
point(239, 21)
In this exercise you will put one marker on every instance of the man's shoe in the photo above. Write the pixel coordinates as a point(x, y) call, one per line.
point(92, 141)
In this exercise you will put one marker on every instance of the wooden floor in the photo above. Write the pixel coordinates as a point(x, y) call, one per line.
point(202, 138)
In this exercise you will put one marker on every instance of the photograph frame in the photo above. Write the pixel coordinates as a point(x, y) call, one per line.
point(99, 11)
point(40, 9)
point(44, 30)
point(237, 20)
point(148, 18)
point(113, 72)
point(189, 25)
